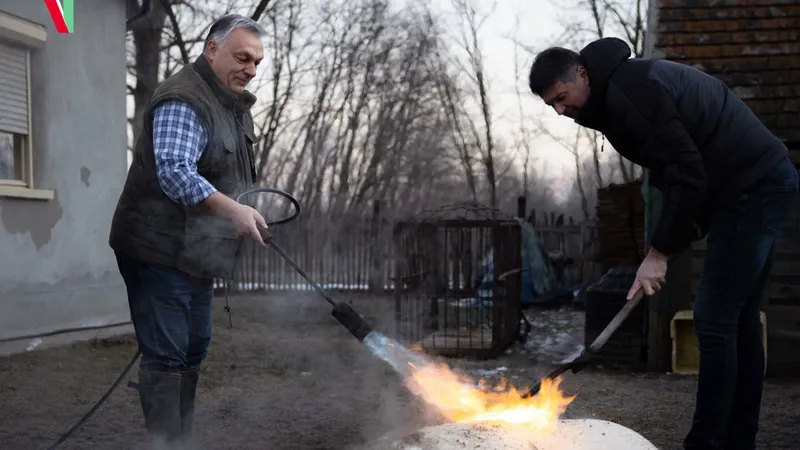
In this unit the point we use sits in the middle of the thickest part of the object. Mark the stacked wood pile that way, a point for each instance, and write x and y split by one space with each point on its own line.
620 225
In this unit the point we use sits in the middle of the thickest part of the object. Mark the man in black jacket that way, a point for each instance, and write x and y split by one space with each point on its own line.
723 175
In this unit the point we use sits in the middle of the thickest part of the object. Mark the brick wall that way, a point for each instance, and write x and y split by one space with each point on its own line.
752 45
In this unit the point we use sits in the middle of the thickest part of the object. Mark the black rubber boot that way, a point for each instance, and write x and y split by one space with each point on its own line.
188 391
160 396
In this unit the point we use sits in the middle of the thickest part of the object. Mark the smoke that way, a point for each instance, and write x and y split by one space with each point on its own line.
397 411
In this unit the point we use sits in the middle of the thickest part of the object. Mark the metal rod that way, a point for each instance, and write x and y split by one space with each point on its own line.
302 272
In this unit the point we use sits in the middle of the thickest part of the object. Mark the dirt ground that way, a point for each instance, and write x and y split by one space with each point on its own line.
288 376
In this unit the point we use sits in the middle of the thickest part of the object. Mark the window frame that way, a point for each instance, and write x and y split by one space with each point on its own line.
30 36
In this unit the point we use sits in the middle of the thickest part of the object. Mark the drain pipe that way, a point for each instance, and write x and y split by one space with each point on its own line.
141 16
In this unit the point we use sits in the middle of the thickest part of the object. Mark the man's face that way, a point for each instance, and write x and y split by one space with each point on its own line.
568 97
235 61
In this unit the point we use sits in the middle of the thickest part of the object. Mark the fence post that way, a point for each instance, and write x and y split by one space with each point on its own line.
375 274
521 207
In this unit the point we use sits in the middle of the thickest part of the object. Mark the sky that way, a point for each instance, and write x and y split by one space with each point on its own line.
536 24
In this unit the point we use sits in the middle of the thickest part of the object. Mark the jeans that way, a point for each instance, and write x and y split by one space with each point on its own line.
741 239
171 314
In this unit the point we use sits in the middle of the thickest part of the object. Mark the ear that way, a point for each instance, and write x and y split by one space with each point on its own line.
211 49
581 71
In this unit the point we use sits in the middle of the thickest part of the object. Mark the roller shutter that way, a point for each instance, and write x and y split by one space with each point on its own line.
13 89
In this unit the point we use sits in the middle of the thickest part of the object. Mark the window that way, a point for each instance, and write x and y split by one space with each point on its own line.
12 158
18 38
14 130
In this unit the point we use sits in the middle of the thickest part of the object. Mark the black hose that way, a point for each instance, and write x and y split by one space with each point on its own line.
283 194
98 404
128 368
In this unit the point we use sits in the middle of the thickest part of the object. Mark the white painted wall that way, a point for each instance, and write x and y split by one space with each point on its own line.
56 269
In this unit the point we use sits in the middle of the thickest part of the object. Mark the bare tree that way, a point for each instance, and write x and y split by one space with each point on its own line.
146 53
476 72
524 137
364 128
625 19
286 59
359 102
458 123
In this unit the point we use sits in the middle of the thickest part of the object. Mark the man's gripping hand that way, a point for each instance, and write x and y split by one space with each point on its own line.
651 275
245 219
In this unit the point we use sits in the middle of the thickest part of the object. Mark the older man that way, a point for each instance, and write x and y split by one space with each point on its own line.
722 173
176 226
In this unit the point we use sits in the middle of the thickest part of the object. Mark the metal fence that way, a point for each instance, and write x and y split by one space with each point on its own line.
351 255
357 254
454 274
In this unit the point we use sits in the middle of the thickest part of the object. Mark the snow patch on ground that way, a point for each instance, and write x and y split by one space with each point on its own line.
556 335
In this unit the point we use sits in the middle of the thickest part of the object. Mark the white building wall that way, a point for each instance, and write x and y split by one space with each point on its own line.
57 271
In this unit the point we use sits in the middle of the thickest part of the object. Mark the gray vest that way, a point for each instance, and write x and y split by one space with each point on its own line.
147 225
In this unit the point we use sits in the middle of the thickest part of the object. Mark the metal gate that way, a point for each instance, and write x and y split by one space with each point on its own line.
458 285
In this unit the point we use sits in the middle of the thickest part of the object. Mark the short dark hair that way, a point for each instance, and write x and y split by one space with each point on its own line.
551 66
222 28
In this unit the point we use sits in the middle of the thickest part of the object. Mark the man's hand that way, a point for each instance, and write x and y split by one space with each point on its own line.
651 274
246 220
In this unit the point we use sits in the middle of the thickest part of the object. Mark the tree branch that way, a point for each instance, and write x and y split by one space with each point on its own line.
259 11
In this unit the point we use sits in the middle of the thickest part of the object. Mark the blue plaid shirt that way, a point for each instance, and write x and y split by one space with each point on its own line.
179 139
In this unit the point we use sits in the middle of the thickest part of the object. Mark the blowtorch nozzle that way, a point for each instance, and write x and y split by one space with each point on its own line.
354 323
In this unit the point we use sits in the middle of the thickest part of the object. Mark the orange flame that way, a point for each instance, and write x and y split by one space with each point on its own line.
459 400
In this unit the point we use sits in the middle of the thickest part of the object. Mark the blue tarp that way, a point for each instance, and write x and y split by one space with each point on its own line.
538 276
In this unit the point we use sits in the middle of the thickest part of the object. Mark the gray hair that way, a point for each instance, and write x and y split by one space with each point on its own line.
222 28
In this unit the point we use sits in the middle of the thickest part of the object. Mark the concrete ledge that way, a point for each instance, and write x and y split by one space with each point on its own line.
26 192
58 339
22 31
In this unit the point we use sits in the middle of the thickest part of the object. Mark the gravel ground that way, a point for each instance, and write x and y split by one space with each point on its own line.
287 376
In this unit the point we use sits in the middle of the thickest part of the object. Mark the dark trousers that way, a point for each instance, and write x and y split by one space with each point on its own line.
171 314
741 239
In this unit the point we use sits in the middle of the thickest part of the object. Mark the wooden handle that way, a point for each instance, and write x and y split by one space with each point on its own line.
616 321
582 359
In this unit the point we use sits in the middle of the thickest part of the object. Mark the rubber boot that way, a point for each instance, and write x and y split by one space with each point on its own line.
160 396
188 392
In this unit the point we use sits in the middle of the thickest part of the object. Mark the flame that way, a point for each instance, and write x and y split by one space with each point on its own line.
459 400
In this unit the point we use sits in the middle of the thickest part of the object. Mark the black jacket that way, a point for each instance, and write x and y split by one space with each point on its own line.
702 144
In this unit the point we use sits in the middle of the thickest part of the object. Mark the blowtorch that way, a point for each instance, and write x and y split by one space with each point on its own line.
343 312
